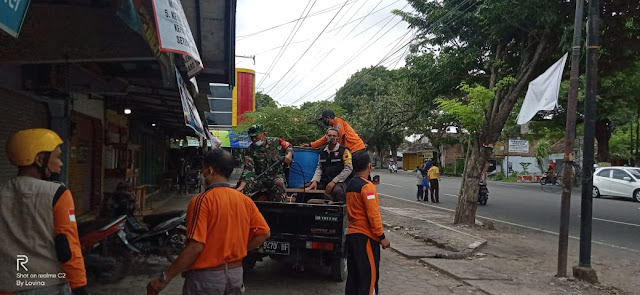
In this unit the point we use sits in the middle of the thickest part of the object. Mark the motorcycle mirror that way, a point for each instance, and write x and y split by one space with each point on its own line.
376 179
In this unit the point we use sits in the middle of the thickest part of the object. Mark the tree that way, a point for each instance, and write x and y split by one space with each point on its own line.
288 123
617 65
543 150
377 107
485 42
264 100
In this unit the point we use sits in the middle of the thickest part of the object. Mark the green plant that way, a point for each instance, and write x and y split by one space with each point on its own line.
525 168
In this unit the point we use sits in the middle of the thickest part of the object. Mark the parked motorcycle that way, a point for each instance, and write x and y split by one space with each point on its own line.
104 247
393 168
164 234
483 193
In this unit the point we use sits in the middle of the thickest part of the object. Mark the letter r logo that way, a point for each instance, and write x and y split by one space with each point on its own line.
21 260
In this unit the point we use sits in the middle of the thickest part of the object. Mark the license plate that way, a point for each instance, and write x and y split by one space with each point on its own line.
275 247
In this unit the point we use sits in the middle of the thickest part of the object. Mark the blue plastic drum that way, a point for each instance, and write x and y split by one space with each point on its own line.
305 161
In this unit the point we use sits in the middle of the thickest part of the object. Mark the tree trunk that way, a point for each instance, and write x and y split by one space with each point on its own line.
467 156
603 134
468 202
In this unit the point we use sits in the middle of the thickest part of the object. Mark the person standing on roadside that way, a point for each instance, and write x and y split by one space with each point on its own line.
365 233
420 193
38 221
434 183
222 225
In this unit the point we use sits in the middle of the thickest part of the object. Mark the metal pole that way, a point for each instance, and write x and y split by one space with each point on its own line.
572 106
584 270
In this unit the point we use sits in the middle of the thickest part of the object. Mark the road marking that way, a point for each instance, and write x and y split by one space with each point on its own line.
450 195
391 184
618 222
514 224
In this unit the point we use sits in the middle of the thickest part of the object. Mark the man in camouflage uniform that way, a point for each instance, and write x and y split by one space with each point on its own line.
260 155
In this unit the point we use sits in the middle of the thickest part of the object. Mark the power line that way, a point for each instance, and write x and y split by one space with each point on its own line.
370 13
390 54
363 48
345 13
331 8
287 41
412 39
374 8
348 21
314 41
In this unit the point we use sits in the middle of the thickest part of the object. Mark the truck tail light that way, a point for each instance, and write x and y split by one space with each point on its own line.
320 246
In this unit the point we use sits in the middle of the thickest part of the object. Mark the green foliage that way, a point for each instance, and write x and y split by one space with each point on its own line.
264 101
288 123
377 106
620 143
469 110
543 150
498 176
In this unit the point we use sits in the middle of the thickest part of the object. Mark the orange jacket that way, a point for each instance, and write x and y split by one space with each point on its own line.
362 209
346 136
64 220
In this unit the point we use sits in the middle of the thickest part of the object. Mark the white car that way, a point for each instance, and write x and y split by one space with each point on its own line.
617 181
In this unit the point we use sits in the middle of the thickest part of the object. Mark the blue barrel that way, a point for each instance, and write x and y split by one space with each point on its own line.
305 161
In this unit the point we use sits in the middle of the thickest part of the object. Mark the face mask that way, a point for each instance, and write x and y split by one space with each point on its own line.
203 177
54 176
258 143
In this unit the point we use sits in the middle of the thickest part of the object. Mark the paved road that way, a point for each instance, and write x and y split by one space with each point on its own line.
616 221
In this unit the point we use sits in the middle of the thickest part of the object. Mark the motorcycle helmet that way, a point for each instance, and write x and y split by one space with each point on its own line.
23 146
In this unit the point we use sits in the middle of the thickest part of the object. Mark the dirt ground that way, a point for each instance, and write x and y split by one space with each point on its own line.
530 257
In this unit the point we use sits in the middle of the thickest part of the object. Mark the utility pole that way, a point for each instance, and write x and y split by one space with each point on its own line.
583 270
572 106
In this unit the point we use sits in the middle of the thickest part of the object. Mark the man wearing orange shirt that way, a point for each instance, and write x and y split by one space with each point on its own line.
346 135
38 222
365 234
222 225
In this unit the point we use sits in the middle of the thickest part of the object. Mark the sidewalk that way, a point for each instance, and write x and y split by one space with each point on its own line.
471 260
508 265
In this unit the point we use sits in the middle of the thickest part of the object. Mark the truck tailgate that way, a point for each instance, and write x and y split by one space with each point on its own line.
305 222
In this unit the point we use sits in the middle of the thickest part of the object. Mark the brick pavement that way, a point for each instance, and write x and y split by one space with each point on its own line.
398 276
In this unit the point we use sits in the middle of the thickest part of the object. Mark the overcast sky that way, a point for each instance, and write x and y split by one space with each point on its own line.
340 51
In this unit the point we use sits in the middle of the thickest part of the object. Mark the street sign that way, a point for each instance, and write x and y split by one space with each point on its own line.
175 34
12 13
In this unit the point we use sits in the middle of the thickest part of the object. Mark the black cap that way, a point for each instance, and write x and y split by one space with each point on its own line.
327 114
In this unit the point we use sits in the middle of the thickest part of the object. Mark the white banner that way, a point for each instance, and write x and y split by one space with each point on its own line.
518 146
175 35
542 94
191 116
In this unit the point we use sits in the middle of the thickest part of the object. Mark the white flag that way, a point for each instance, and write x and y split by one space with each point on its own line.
542 94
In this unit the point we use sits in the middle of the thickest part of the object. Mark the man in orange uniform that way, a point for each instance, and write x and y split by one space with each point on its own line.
364 232
222 225
346 135
38 222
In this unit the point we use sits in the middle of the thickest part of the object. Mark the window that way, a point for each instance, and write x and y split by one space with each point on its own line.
635 173
619 174
605 173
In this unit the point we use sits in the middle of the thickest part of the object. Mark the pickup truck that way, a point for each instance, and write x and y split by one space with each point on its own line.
303 233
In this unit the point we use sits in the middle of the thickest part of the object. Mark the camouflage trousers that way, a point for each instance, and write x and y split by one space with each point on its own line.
274 186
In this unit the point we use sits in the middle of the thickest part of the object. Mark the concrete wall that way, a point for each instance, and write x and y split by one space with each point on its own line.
515 164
